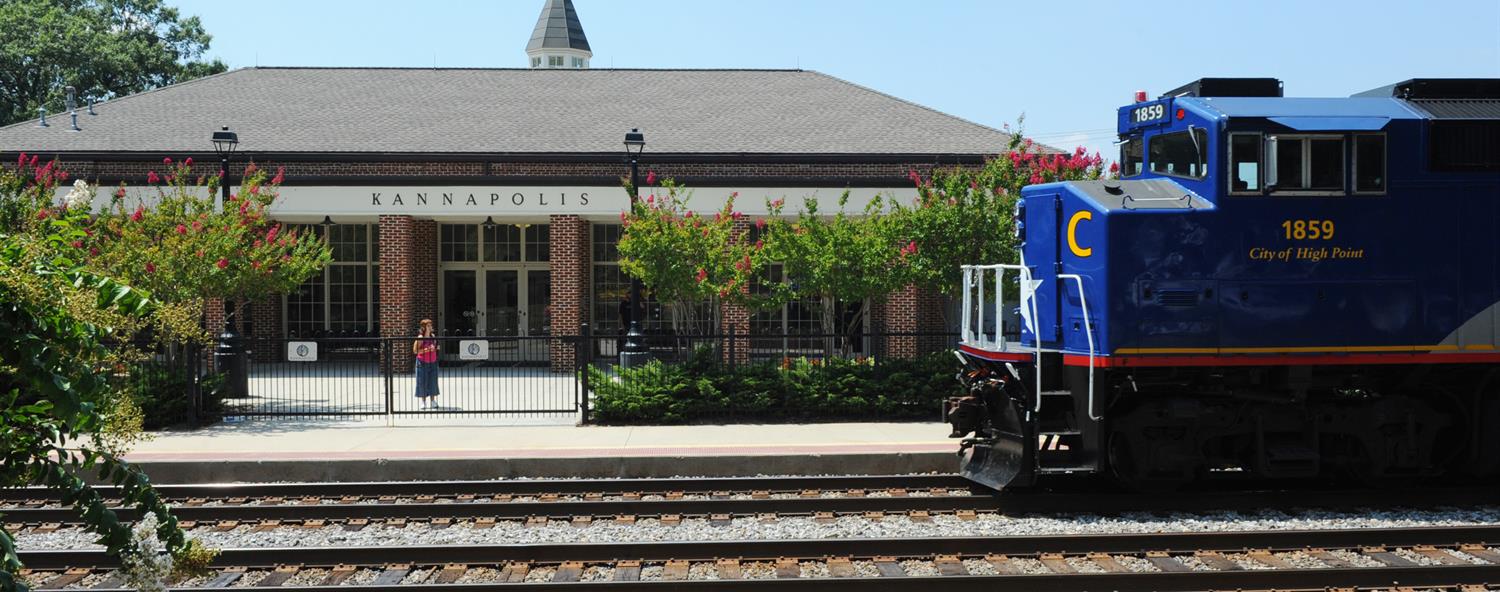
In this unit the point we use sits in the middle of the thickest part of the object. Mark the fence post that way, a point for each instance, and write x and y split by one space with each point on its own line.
733 361
190 367
388 369
584 359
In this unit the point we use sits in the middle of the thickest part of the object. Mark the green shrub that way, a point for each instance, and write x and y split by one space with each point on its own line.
796 389
161 391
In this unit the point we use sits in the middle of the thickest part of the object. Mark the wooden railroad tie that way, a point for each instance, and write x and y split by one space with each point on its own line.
1165 562
766 518
226 525
788 568
675 569
1217 561
823 517
582 521
535 521
1107 563
1481 552
1268 558
338 574
760 494
855 493
675 495
356 524
889 567
65 578
1329 559
451 573
625 519
1057 563
350 499
840 567
671 519
484 523
1003 565
593 497
949 565
548 497
569 571
811 493
515 572
919 516
729 569
279 576
1389 558
229 576
627 571
719 519
1438 555
440 523
966 514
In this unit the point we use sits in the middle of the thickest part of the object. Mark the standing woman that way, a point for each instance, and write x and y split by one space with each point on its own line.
426 350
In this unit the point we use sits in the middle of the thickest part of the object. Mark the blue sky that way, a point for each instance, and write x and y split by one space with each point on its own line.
1065 65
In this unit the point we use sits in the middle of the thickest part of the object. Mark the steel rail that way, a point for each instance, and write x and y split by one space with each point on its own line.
1005 503
748 550
1320 580
522 487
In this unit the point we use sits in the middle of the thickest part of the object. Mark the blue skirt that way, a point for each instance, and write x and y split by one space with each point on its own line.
427 385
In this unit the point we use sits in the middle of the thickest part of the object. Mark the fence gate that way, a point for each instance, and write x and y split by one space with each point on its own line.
527 379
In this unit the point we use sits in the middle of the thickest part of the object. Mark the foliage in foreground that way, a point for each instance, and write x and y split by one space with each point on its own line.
703 390
56 398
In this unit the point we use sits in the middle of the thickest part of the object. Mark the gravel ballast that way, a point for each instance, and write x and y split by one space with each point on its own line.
749 528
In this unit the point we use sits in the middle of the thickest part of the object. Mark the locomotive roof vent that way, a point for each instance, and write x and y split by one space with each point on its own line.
1227 87
1439 88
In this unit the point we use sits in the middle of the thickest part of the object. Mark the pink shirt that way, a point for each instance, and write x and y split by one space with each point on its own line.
428 351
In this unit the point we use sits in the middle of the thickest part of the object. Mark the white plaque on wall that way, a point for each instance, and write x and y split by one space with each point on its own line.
302 351
473 349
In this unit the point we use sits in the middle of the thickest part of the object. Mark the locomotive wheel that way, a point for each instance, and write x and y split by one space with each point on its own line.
1127 470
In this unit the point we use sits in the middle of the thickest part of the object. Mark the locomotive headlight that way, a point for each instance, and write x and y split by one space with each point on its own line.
1020 221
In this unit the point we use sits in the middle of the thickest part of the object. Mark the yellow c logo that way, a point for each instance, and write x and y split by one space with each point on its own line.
1073 233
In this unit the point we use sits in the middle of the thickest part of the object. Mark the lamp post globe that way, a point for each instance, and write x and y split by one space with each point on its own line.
635 353
229 354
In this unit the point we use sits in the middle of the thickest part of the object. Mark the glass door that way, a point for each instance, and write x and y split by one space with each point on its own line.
460 303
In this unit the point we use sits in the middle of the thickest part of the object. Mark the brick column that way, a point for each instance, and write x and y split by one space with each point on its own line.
265 322
424 274
570 258
398 259
913 310
735 318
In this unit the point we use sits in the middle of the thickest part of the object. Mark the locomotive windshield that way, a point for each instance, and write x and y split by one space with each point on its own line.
1132 157
1180 154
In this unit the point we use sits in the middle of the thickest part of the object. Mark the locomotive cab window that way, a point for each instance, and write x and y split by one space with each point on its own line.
1180 154
1132 157
1306 165
1369 163
1244 164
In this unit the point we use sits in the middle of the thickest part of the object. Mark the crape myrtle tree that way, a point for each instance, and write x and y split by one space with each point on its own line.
689 260
843 258
966 215
176 242
61 413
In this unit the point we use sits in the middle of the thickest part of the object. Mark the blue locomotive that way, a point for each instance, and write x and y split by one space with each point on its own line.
1279 287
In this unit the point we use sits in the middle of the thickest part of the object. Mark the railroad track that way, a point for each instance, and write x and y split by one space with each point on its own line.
1432 557
357 505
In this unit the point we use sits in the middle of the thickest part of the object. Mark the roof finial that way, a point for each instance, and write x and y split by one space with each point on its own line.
558 40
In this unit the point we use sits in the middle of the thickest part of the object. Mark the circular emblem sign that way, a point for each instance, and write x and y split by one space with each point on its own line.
473 349
302 351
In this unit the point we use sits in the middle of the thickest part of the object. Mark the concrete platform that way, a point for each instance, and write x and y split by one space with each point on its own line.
365 451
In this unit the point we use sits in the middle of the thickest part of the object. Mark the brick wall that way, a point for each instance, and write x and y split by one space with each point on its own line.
398 263
265 323
570 255
424 270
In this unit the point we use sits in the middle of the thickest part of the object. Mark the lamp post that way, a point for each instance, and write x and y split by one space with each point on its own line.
229 355
635 352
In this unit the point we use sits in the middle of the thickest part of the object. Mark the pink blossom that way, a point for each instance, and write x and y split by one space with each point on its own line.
689 215
197 225
286 257
760 244
152 178
188 161
167 161
760 223
780 201
271 234
1114 167
93 252
200 253
702 275
916 179
21 162
62 176
257 243
150 267
651 199
650 177
736 215
221 263
1036 178
622 216
120 193
33 160
280 176
137 214
255 264
41 214
705 232
78 244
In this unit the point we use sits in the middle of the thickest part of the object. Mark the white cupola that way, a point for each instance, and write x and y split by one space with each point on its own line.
558 40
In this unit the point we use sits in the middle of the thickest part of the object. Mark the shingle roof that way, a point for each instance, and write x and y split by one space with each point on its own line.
558 28
412 111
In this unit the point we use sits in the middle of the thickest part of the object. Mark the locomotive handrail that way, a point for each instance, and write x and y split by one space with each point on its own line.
973 332
1088 331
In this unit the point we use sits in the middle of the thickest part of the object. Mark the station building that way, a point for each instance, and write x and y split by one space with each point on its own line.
489 199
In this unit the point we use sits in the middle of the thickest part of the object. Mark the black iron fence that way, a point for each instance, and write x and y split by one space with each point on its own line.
525 379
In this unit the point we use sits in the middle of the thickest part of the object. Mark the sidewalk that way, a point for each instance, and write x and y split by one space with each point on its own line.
309 450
